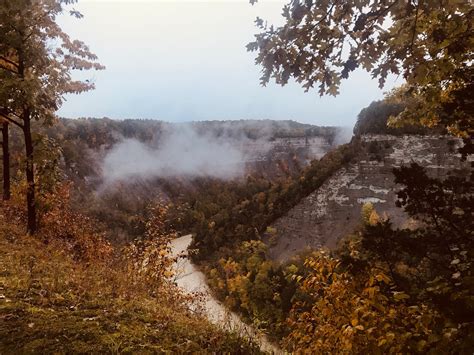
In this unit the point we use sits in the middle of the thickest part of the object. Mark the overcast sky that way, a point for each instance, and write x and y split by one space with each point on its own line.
186 60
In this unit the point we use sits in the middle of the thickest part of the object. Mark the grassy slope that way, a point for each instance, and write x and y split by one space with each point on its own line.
51 303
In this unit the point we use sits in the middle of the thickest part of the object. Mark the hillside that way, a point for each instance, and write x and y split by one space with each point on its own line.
68 291
333 211
260 244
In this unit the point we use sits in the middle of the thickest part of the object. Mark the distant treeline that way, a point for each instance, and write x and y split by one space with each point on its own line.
374 119
90 129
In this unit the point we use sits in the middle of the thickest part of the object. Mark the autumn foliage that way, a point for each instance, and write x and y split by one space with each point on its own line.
343 312
69 290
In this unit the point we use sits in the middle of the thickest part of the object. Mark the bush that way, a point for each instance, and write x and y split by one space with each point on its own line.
68 291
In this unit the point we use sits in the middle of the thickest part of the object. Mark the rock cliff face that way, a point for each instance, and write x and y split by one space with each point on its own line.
266 156
278 148
333 211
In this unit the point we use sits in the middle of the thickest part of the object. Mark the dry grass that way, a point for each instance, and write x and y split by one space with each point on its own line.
50 301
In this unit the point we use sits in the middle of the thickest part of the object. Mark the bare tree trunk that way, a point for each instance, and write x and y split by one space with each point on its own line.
6 162
30 174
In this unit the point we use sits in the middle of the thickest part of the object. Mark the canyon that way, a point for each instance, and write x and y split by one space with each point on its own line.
333 211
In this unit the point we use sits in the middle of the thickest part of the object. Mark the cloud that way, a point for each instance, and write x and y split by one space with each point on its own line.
343 135
182 152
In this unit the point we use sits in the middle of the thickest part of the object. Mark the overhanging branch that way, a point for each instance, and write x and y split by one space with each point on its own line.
9 65
5 117
11 62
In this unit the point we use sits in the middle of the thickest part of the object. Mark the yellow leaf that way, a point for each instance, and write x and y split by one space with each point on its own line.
400 296
390 336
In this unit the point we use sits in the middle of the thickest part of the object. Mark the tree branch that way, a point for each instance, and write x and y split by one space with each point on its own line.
414 25
10 120
16 65
380 13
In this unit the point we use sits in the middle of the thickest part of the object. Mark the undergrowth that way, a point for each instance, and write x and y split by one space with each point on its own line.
54 301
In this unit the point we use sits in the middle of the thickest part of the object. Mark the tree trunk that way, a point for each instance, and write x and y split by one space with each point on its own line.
30 174
6 162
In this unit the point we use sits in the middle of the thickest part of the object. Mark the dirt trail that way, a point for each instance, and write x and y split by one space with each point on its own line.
191 280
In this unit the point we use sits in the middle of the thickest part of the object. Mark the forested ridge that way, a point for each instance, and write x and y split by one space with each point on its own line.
85 260
76 148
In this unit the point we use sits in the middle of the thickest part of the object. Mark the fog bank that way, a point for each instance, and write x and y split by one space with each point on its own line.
181 152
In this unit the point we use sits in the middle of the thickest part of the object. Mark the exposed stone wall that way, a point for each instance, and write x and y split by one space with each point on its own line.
278 148
333 211
263 156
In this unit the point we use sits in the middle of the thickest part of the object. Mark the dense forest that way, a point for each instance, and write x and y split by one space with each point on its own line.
76 150
86 263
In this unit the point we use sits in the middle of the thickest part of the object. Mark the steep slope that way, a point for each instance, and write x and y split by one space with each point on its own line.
52 301
331 212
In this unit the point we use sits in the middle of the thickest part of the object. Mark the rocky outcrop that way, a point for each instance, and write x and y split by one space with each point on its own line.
325 216
267 157
278 148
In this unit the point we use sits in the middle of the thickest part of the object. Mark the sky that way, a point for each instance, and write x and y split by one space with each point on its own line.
179 61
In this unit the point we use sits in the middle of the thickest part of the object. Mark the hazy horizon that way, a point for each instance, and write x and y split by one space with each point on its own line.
181 61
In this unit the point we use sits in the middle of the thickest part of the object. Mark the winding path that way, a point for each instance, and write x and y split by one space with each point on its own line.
191 280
